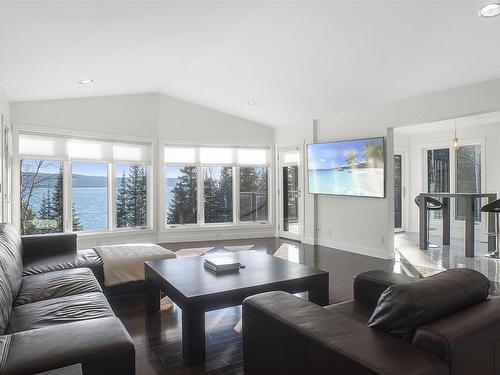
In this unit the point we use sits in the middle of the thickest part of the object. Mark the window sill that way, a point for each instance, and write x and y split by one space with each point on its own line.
115 232
215 227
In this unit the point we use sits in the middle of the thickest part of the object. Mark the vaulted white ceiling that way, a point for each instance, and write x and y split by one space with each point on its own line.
298 60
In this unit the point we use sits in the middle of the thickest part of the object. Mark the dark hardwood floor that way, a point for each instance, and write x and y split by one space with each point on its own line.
157 338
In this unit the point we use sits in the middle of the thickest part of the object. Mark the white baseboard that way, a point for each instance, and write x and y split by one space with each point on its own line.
377 253
309 240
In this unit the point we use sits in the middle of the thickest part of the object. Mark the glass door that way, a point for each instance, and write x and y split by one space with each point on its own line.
289 193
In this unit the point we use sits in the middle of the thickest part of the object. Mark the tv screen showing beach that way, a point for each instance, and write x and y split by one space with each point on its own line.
347 168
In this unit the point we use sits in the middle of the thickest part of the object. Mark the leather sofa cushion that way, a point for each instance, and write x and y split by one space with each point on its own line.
402 308
11 256
102 346
58 311
56 284
63 261
355 310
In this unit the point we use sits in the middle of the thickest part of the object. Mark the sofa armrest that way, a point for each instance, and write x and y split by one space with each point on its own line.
283 334
465 338
102 346
42 244
368 286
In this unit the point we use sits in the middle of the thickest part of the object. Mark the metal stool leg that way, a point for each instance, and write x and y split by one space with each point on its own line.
430 245
496 253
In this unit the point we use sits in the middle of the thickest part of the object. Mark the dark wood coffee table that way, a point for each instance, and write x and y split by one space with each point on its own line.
196 290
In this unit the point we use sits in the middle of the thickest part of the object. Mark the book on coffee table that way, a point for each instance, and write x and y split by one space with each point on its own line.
221 264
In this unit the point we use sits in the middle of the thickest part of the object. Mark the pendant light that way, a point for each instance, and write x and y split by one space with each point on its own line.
455 139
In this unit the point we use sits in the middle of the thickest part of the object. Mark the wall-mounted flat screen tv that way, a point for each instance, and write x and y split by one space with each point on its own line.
355 167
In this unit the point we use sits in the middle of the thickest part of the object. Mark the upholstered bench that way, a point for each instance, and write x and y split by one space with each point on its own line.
54 252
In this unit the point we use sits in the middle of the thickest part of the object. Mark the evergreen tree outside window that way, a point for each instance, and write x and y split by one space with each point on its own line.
131 196
468 178
42 197
218 191
182 193
52 200
212 184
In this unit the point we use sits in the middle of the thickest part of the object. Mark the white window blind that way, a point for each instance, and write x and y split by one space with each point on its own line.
38 146
180 155
61 148
132 152
253 156
84 150
291 157
216 156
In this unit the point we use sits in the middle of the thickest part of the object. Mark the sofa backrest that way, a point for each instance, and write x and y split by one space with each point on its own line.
11 257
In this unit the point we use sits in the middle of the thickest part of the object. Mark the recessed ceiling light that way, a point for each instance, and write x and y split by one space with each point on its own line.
252 102
490 10
86 81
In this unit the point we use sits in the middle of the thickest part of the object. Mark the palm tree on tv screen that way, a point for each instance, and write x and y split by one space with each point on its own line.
373 153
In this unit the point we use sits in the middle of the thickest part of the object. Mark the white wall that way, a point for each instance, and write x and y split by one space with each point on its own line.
489 134
364 225
152 116
4 104
133 115
184 121
5 111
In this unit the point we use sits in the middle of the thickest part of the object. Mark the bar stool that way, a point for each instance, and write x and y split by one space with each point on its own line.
432 205
494 208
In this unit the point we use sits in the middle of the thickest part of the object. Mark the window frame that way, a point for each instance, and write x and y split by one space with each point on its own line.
200 225
453 173
67 179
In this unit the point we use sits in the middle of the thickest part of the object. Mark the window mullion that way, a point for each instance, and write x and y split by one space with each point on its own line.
201 196
111 196
67 198
236 195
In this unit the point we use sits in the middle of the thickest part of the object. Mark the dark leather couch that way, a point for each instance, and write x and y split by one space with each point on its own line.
284 334
52 309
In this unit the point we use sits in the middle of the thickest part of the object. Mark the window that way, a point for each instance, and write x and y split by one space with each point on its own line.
438 174
253 194
468 177
218 194
131 196
211 185
82 197
89 194
438 170
182 193
465 171
41 208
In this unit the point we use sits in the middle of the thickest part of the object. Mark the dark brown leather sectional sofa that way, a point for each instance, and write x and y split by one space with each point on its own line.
395 325
52 309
